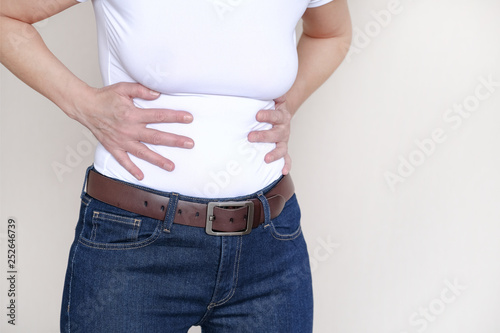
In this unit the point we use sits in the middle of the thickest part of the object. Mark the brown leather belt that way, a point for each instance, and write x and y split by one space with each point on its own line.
218 218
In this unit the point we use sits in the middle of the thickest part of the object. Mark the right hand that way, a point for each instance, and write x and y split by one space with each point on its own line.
120 126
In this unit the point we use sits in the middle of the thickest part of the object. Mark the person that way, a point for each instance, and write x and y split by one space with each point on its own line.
188 215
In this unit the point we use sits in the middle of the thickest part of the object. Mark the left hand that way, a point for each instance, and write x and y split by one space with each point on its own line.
280 118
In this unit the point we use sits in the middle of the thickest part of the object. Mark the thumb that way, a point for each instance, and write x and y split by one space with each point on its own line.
136 90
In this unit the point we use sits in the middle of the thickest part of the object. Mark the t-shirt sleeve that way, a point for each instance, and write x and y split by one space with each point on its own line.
316 3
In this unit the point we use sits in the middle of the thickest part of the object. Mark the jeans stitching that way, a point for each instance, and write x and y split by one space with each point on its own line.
205 316
171 210
285 237
137 227
86 200
135 223
117 218
219 275
133 246
72 266
235 275
93 232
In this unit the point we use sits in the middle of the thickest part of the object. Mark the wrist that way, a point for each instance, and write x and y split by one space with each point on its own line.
292 106
295 97
78 101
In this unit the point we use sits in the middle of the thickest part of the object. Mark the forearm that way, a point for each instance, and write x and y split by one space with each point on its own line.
24 53
318 59
325 41
109 112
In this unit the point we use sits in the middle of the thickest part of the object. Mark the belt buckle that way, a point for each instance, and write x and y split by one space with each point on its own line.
211 217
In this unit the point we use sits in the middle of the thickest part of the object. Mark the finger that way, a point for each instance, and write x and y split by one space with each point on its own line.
271 116
269 136
279 152
141 151
156 137
124 160
136 90
150 116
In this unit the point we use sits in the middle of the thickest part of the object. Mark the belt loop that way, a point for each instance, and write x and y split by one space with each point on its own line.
171 211
265 206
85 180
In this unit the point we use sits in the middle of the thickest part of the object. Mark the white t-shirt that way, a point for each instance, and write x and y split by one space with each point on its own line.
222 61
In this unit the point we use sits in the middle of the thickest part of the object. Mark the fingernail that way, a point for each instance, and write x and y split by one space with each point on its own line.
188 144
154 93
188 118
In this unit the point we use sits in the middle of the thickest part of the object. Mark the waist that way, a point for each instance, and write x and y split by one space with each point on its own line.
223 163
234 217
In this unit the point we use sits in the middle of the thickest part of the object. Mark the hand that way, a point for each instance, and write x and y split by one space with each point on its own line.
120 126
280 118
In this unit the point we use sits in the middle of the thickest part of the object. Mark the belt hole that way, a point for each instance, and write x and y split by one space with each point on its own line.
231 220
197 214
145 203
162 208
179 211
245 217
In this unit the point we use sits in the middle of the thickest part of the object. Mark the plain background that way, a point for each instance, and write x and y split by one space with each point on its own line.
383 259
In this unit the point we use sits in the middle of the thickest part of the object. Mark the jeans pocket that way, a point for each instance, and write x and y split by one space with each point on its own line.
286 226
112 228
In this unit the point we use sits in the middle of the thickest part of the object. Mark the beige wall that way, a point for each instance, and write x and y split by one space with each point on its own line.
384 259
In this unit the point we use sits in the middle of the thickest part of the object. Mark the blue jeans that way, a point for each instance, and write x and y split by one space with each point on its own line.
129 273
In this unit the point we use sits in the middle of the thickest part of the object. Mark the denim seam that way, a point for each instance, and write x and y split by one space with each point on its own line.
93 232
106 246
137 228
116 218
171 211
108 217
210 305
219 274
235 276
205 316
285 237
86 199
265 207
73 263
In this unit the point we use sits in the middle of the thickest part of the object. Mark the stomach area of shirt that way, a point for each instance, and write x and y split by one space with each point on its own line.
222 164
